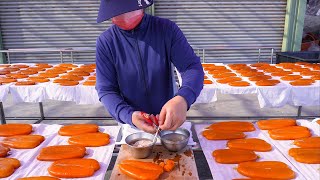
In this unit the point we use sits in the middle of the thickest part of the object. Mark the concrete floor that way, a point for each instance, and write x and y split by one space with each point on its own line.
227 105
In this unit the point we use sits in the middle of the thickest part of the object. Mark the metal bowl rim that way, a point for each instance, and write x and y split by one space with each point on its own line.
177 142
152 144
181 129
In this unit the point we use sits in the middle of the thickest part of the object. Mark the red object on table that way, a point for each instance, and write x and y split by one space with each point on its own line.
306 45
148 119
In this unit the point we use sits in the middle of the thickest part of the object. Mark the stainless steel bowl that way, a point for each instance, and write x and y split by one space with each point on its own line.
174 140
140 152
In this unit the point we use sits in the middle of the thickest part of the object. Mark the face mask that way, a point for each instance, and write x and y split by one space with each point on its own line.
128 21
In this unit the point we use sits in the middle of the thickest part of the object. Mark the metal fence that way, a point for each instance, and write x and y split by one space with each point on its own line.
63 55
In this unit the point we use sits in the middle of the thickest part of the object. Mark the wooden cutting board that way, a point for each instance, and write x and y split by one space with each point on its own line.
185 169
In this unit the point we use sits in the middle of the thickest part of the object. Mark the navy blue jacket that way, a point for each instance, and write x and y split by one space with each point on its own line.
134 71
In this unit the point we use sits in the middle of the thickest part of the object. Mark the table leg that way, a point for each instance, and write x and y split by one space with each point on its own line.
2 117
41 113
299 111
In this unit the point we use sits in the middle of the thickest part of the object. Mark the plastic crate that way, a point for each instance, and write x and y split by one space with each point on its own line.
306 56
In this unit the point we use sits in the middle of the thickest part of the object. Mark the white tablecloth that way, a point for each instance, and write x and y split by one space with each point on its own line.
273 96
86 95
26 156
50 91
4 91
33 167
309 171
228 171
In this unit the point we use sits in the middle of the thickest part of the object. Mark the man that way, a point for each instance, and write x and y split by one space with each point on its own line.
134 72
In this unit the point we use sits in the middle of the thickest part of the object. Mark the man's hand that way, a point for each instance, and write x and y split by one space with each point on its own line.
140 123
173 113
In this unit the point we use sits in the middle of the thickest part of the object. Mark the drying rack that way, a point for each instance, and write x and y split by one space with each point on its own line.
201 52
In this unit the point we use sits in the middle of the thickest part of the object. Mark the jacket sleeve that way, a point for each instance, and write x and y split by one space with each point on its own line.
107 86
188 65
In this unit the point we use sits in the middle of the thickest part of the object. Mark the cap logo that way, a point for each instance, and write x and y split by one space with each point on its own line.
145 1
139 3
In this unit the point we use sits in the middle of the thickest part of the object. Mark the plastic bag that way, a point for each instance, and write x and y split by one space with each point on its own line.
314 47
313 8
